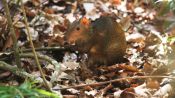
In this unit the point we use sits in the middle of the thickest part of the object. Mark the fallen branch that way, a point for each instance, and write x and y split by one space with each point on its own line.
68 48
115 80
45 49
15 70
33 49
13 34
43 57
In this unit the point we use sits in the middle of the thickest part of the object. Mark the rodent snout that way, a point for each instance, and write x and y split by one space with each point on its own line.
65 43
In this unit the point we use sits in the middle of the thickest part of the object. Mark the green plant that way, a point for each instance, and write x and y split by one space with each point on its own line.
26 90
165 6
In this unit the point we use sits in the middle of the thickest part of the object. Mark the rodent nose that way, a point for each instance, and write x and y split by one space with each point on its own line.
65 43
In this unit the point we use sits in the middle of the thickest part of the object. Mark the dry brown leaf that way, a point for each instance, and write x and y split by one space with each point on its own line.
49 10
153 84
129 68
56 41
147 67
9 42
125 23
128 93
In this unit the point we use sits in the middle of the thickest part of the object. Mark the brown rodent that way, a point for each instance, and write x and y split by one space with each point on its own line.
103 39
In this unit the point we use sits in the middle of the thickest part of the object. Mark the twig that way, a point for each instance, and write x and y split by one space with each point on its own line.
115 80
33 49
1 10
43 57
45 49
15 46
41 49
15 70
59 49
103 91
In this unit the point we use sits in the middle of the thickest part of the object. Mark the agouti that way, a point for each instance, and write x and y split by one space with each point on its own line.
103 40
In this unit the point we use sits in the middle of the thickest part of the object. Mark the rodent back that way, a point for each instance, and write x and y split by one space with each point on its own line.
105 32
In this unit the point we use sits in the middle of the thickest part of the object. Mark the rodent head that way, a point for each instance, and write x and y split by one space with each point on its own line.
78 32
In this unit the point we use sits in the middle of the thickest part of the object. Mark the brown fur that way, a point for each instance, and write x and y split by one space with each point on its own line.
103 40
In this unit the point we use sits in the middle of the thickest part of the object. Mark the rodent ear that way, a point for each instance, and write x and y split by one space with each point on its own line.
85 21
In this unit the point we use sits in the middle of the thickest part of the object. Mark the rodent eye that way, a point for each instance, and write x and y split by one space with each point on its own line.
78 28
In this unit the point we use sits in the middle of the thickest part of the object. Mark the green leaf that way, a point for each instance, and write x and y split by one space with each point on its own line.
49 94
25 90
171 39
